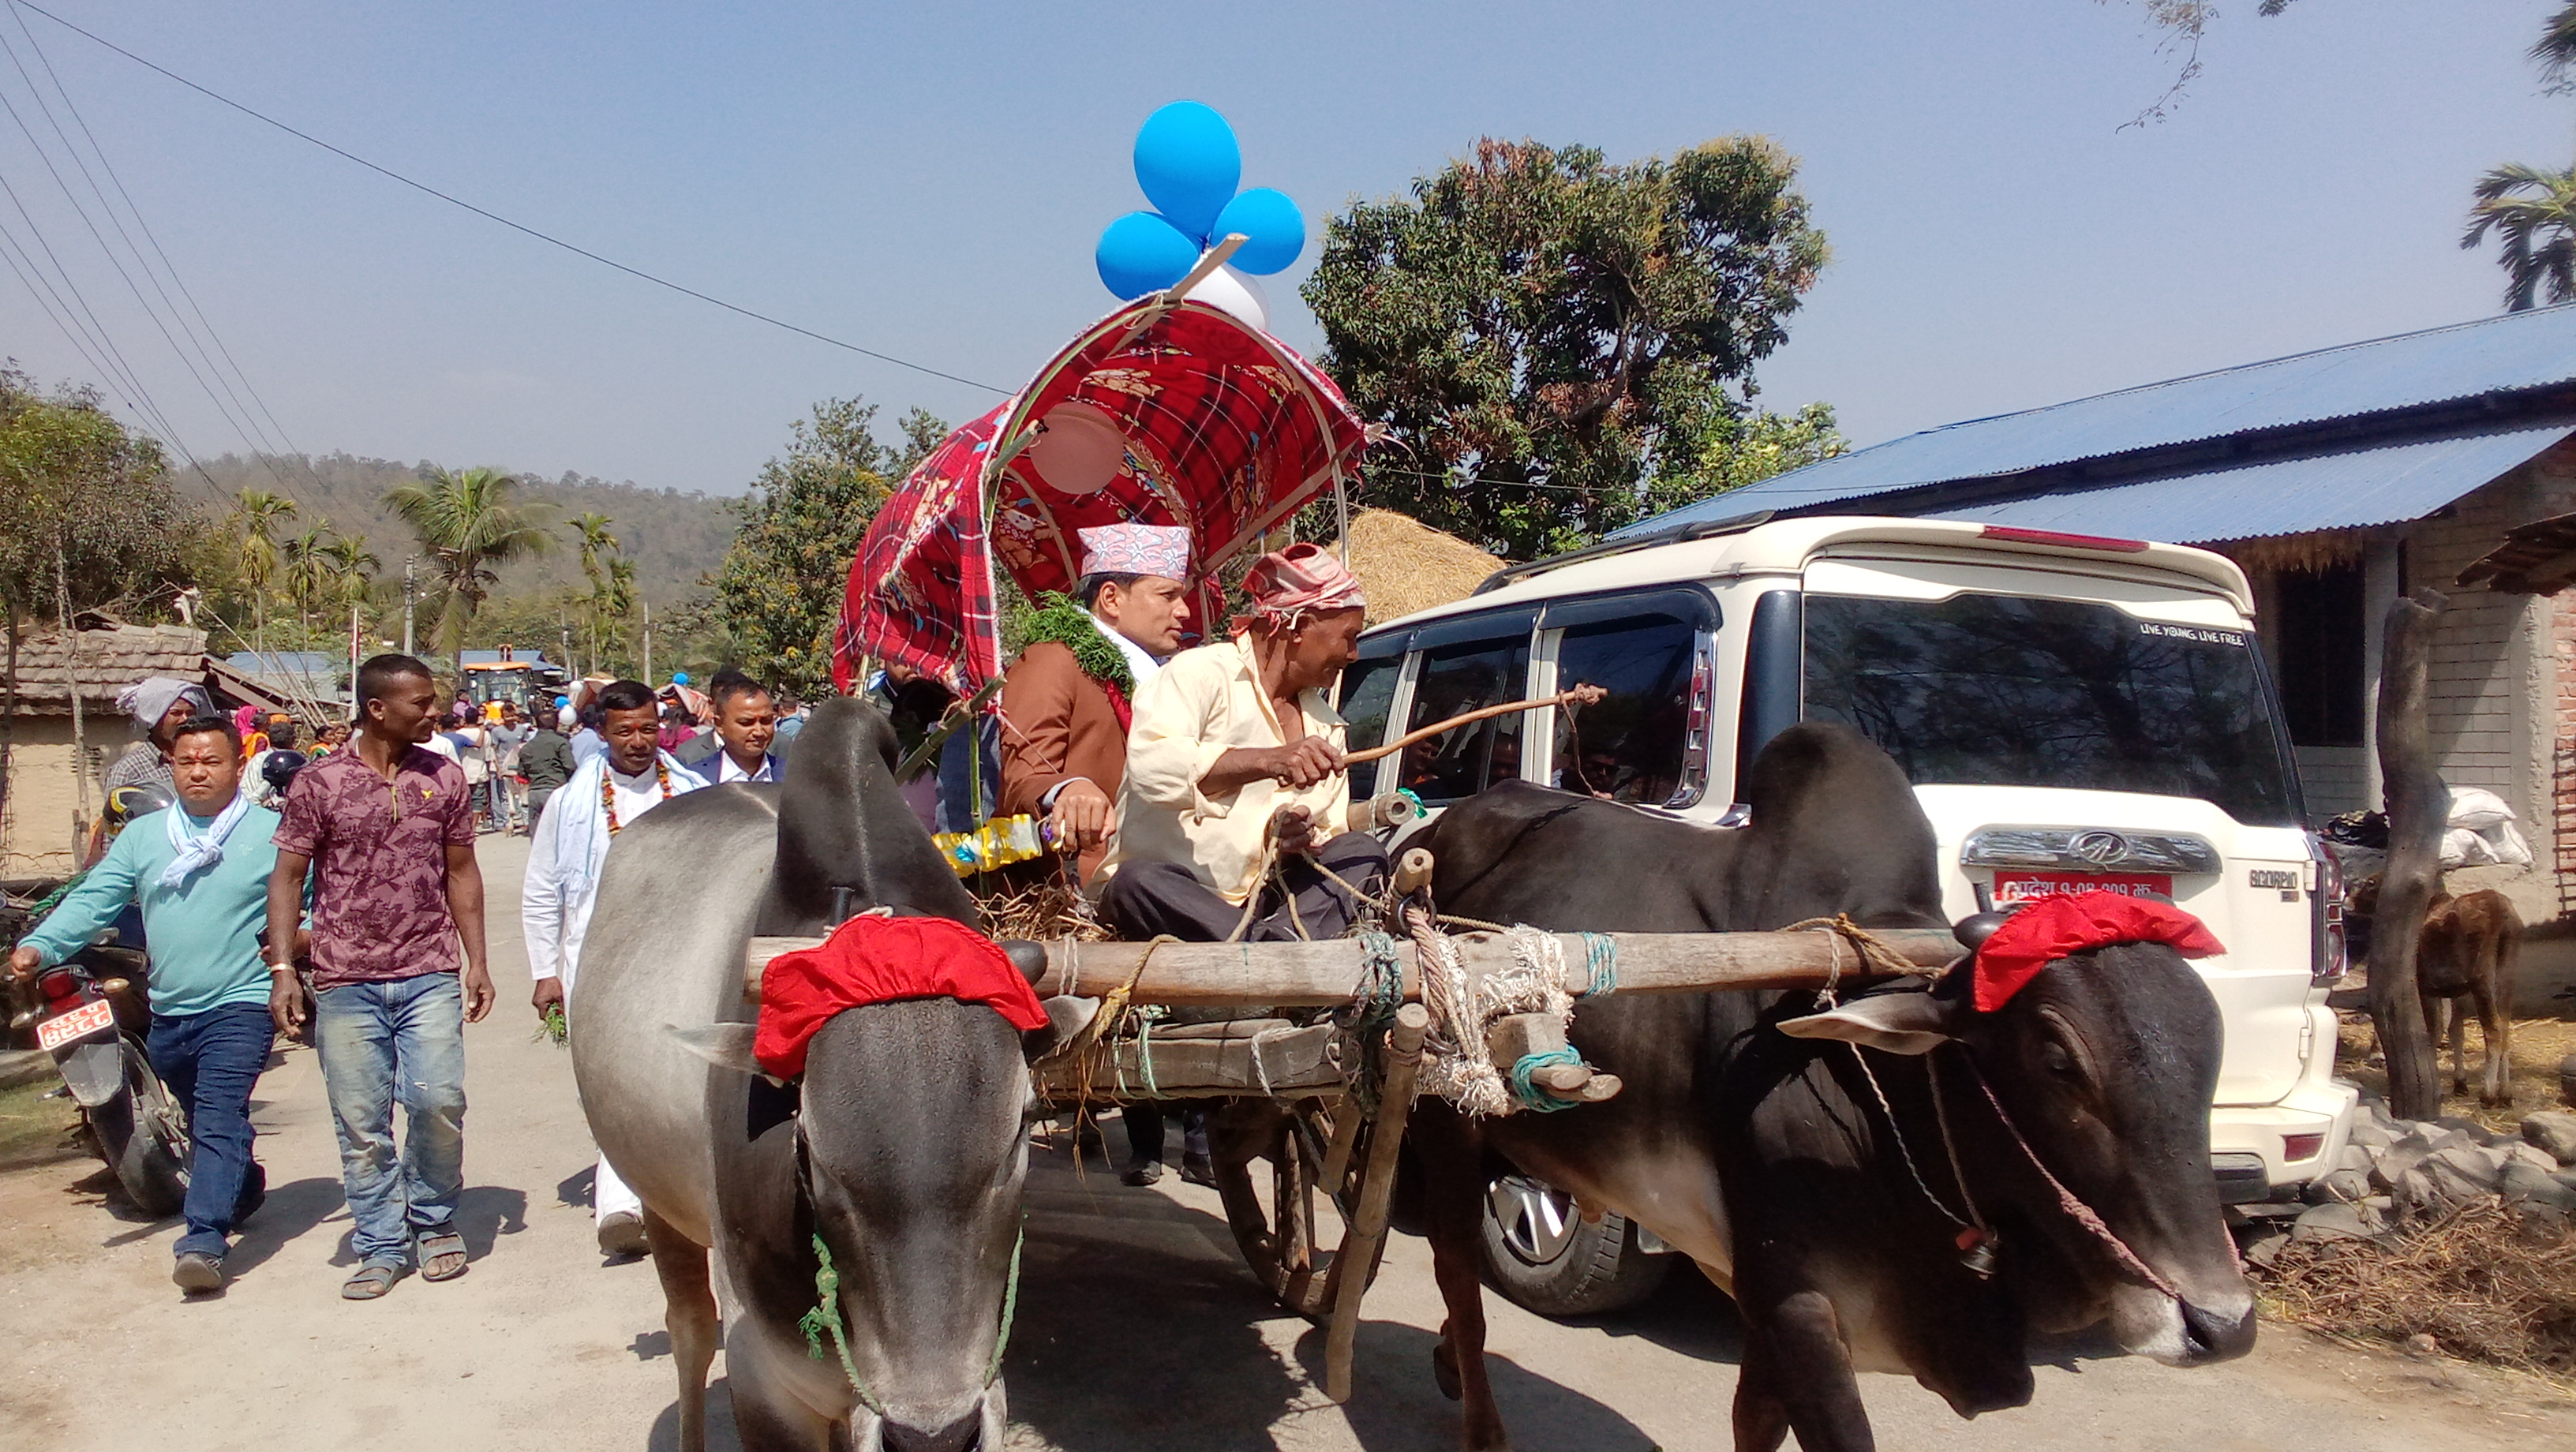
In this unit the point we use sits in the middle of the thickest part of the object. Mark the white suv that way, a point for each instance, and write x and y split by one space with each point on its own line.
2074 713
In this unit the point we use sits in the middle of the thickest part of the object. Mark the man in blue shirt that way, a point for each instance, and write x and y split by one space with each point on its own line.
200 873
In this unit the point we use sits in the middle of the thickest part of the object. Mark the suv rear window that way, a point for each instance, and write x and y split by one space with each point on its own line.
2003 690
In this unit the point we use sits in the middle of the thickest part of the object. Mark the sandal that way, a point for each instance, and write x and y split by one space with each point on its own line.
435 1252
370 1282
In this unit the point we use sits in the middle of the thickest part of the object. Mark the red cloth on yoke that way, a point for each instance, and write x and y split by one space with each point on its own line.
2054 927
878 960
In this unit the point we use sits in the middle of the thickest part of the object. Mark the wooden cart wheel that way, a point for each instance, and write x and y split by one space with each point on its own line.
1279 1241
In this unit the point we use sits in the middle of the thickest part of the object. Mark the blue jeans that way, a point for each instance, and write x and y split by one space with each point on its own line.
210 1061
382 1042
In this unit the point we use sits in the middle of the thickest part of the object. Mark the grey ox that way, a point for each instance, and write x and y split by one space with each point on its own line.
902 1150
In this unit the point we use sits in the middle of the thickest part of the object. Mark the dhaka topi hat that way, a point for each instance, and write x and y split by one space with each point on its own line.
1136 549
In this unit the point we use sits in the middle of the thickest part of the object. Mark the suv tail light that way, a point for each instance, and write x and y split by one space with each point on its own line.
2327 960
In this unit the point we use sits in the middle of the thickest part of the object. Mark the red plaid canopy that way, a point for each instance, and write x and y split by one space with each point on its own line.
1227 431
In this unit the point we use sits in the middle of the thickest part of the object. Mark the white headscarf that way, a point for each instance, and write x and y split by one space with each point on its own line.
149 699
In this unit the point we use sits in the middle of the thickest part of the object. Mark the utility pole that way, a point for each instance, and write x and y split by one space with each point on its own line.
407 599
648 640
353 651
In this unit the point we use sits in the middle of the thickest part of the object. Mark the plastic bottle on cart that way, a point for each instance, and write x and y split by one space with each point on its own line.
999 842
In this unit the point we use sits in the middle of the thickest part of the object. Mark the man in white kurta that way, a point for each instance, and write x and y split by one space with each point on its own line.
1235 786
613 788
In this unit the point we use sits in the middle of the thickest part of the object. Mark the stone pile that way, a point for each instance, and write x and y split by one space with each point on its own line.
2395 1171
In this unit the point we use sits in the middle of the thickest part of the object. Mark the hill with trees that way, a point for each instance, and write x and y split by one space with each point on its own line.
674 538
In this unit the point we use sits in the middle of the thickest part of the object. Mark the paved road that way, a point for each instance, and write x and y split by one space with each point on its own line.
1137 1328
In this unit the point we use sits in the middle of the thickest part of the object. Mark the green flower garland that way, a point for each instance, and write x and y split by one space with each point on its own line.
1060 620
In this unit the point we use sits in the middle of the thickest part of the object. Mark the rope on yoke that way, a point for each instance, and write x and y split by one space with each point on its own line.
1600 965
1874 955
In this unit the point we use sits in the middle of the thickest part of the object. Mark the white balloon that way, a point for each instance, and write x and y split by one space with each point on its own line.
1080 450
1236 293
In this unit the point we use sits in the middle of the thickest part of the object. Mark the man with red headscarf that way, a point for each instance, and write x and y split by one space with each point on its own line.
1235 795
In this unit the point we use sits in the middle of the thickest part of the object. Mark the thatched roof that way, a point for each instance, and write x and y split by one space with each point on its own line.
111 658
1406 565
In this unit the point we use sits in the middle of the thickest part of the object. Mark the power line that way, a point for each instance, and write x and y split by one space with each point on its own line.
139 221
113 260
418 186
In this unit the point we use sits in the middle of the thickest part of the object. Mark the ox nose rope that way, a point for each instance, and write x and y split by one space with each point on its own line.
826 1317
2075 1209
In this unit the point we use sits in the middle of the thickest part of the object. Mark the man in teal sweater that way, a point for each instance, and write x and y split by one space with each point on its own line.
200 873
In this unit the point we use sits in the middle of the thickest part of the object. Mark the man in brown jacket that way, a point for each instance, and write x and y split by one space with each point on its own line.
1066 704
1066 701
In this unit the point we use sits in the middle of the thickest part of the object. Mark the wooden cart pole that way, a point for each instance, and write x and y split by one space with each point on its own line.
1366 1235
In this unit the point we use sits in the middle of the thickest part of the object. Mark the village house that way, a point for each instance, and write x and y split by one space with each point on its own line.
2339 480
38 828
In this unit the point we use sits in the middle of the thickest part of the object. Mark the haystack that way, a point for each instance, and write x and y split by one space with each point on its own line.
1406 565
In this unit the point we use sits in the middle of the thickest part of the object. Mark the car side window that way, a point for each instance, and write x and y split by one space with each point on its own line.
1628 746
1368 692
1453 680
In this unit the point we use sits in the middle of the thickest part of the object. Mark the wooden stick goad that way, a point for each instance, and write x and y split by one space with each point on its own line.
1328 973
1577 696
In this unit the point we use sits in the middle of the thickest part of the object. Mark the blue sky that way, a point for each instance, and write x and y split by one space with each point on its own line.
928 181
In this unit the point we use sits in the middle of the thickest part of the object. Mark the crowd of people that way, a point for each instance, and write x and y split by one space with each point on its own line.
1198 793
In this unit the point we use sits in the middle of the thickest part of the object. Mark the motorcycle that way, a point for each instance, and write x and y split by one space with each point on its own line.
92 1013
92 1020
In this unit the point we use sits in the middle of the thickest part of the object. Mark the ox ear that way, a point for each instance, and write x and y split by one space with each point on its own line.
725 1045
1067 1017
1900 1023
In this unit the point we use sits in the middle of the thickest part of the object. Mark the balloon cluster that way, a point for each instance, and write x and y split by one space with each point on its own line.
1188 164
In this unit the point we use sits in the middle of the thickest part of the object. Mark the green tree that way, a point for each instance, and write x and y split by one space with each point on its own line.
260 513
469 525
1730 449
778 592
88 520
591 538
1529 327
2533 215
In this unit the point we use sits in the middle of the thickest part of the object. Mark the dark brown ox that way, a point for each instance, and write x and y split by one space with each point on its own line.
1836 1222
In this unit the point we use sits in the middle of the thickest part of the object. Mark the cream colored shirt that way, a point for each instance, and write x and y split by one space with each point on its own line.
1202 704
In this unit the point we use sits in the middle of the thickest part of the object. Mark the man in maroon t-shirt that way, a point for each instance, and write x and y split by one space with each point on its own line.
388 831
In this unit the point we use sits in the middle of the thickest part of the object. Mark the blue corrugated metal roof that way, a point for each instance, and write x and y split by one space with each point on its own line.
2287 496
493 657
2502 355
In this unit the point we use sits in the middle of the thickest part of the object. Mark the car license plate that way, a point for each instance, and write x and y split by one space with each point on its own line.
2032 886
81 1022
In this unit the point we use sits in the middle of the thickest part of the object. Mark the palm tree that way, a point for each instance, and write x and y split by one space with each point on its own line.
2533 213
469 527
592 539
307 569
353 569
2556 50
261 512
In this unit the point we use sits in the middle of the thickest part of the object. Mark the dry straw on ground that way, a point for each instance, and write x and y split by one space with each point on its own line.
1405 565
2475 1280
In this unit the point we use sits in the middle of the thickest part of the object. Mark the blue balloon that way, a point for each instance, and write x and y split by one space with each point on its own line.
1188 164
1274 232
1141 253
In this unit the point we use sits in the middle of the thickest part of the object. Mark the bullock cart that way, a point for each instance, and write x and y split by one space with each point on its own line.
1316 1050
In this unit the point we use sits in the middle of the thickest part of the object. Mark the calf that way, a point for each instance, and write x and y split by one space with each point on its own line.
2472 949
1897 1183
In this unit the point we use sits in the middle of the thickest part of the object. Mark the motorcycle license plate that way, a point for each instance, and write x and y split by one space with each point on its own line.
93 1017
2032 886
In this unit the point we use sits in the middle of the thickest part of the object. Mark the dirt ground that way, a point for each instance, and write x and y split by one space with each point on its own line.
1137 1327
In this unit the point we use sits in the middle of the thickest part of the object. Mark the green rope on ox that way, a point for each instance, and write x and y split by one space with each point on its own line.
1530 1095
827 1315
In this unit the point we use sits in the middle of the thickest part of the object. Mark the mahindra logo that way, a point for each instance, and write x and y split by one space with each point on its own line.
2099 848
